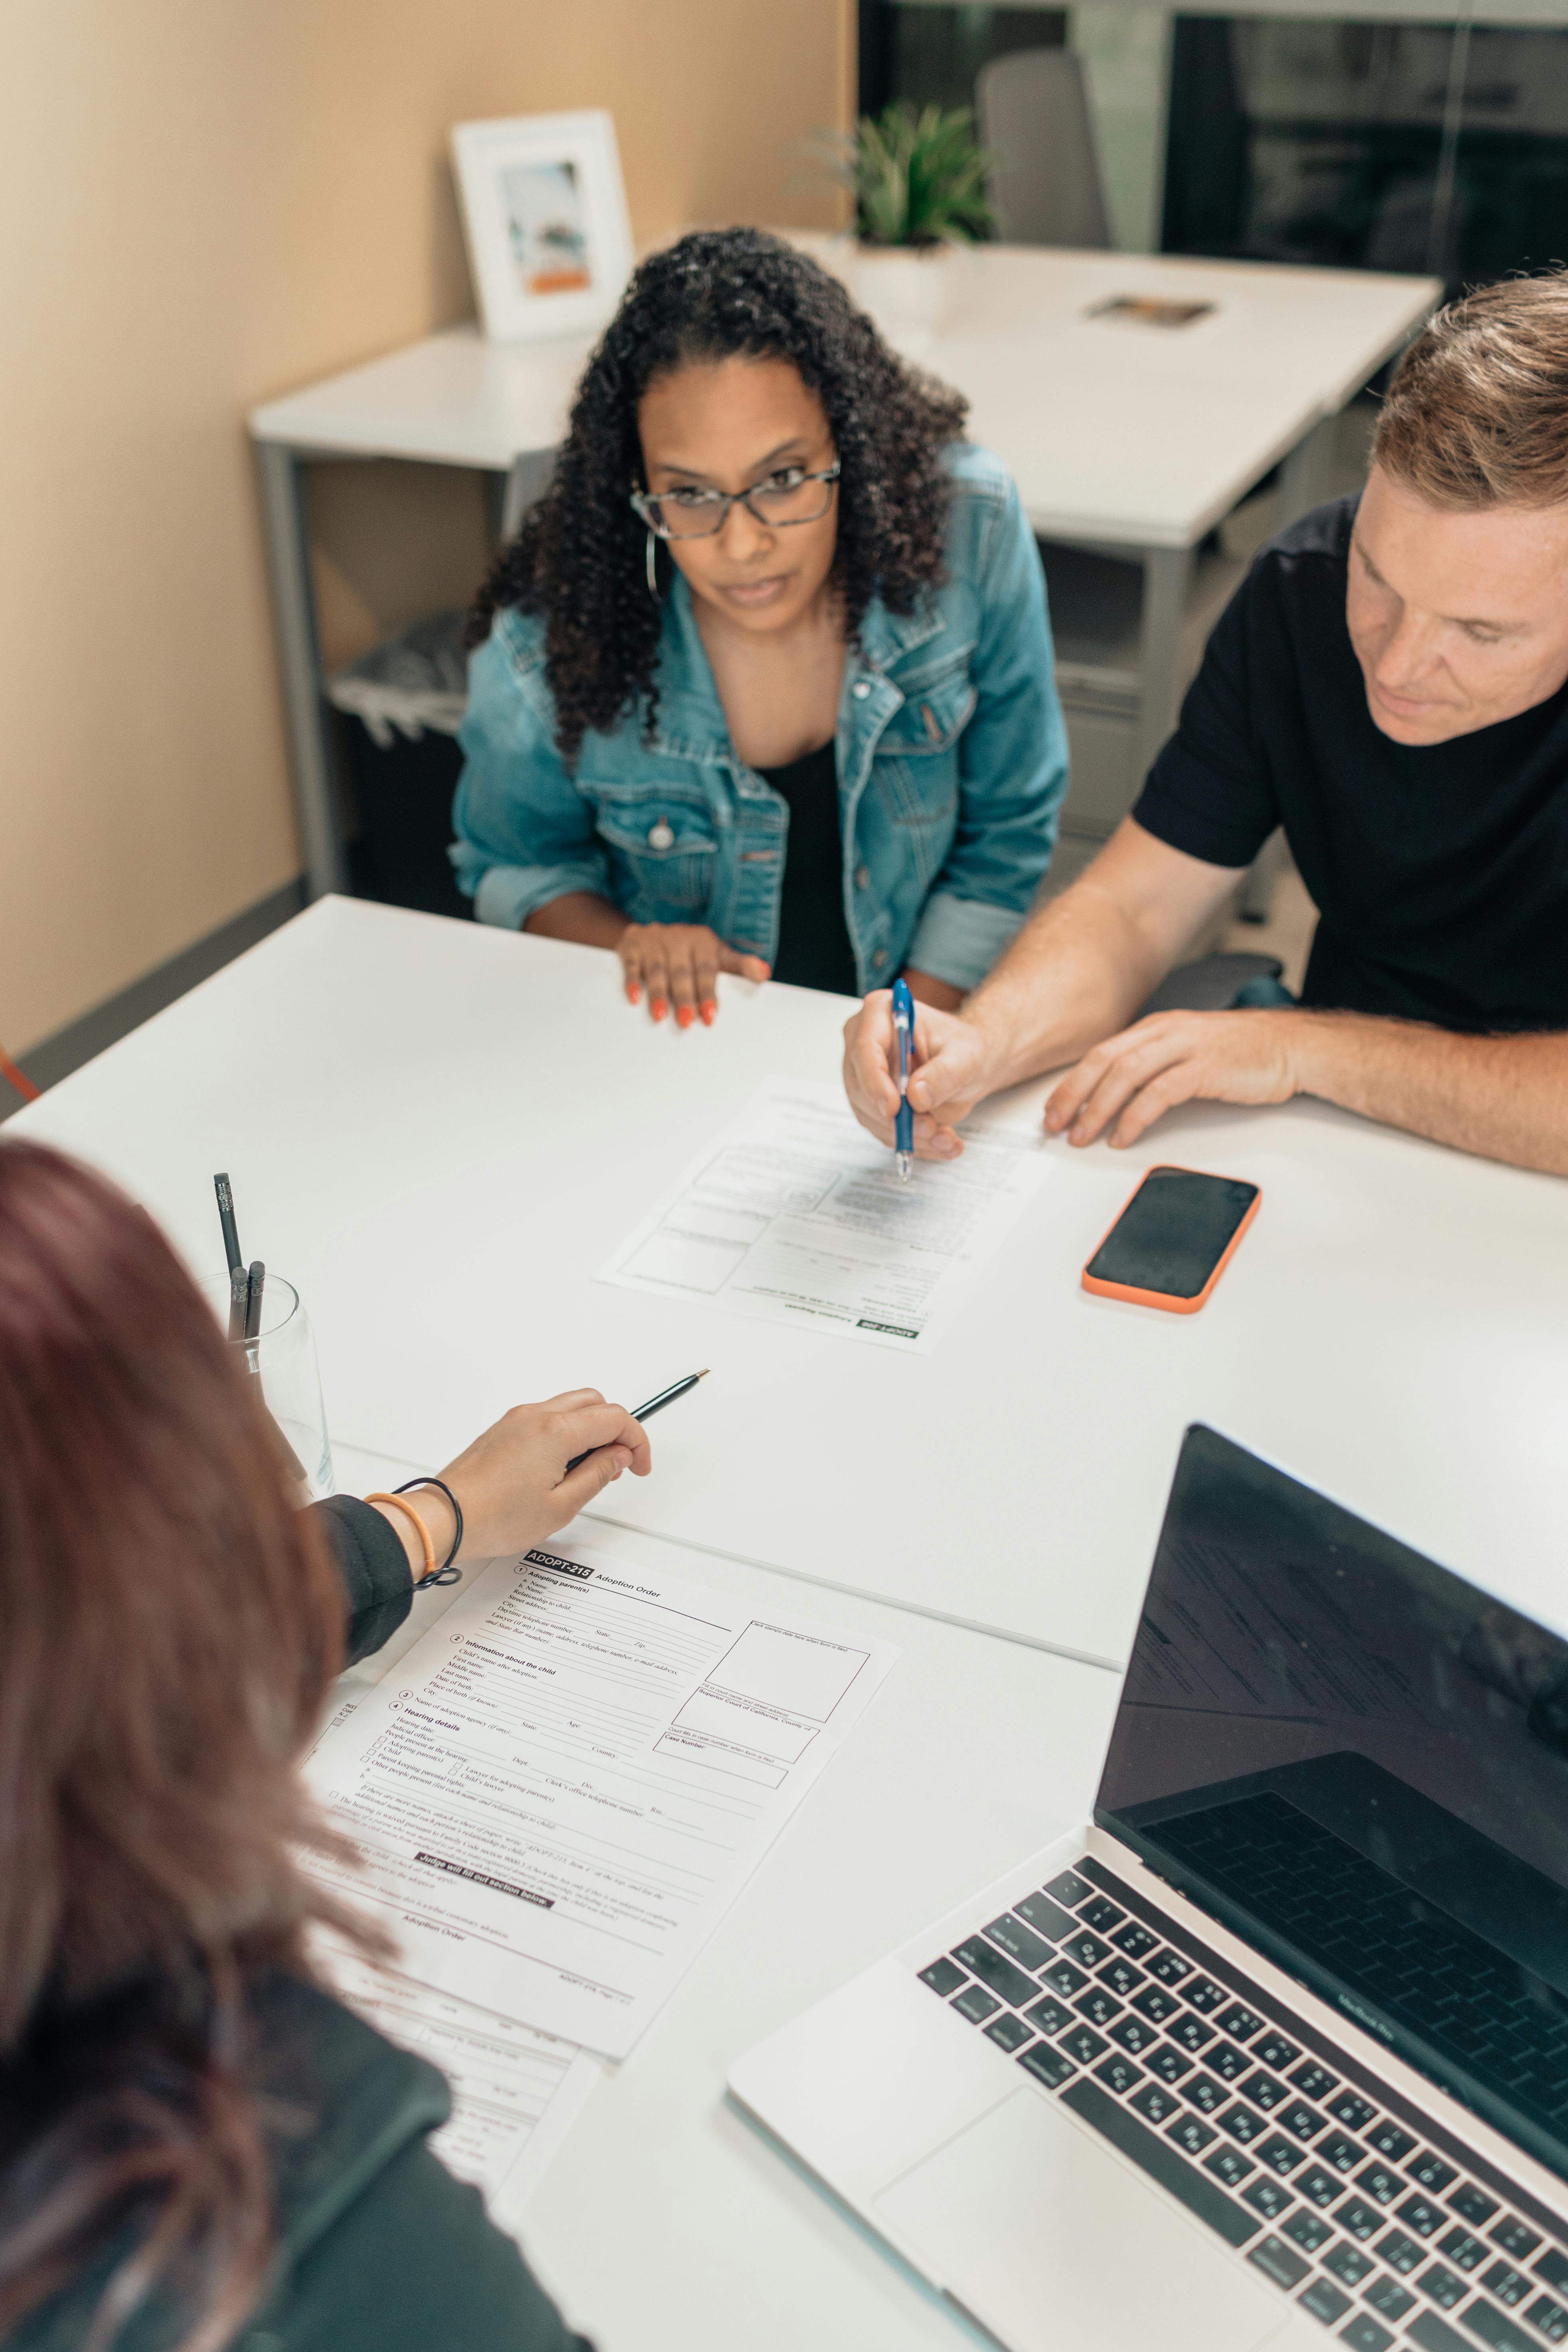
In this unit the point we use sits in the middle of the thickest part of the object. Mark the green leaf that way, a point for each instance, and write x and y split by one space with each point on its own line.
918 177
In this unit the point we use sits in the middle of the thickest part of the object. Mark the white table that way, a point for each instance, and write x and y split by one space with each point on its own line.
1136 439
667 2223
976 1751
440 1131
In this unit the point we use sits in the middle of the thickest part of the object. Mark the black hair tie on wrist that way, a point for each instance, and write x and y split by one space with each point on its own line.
446 1573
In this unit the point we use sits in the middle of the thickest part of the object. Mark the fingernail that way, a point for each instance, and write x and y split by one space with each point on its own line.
634 991
710 1012
658 1008
684 1016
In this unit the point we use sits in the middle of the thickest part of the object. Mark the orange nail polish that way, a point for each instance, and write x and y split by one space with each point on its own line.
634 991
658 1008
683 1016
710 1012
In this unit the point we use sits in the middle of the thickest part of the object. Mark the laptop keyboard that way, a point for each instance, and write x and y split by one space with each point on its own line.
1378 2236
1429 1973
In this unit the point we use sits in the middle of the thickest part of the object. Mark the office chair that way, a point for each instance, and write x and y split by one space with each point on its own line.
526 479
1033 117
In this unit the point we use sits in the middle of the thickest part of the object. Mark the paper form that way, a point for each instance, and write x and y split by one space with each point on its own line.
558 1791
795 1213
515 2091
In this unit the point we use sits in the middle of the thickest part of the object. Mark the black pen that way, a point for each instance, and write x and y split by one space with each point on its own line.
253 1313
250 1287
238 1302
654 1404
224 1191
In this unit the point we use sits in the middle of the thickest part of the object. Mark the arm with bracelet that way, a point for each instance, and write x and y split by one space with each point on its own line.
510 1489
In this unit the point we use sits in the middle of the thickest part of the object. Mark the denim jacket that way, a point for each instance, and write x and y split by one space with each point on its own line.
952 759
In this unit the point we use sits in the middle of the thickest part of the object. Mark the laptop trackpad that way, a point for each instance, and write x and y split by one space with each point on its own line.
1047 2239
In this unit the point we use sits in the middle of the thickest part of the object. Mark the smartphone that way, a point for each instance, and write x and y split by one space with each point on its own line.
1173 1240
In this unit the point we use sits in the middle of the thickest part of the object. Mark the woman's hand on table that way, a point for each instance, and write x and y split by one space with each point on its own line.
678 965
513 1482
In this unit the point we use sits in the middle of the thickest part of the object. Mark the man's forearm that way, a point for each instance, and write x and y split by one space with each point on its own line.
1501 1098
1081 967
1075 974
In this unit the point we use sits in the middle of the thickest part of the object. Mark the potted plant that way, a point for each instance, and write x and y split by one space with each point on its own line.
919 182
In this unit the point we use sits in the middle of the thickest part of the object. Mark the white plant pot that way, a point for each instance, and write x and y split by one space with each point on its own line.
906 288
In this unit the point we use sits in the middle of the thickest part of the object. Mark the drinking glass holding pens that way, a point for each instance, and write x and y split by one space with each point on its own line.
280 1355
262 1313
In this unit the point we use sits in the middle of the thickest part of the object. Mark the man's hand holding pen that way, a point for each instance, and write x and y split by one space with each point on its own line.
949 1076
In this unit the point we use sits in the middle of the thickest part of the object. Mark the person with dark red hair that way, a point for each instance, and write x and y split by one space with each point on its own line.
199 2146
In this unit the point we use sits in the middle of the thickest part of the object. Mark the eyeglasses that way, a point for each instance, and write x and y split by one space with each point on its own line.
782 500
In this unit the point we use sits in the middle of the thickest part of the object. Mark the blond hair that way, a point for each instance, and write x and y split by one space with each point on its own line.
1476 414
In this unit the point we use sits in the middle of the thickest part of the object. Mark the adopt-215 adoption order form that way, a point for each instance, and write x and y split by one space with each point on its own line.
558 1791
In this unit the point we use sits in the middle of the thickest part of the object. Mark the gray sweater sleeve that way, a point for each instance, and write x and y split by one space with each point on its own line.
378 1583
413 2265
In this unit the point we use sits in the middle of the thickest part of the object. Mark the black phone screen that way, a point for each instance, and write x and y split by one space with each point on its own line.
1172 1233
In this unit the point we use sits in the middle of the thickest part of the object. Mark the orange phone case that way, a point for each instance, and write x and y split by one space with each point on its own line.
1162 1299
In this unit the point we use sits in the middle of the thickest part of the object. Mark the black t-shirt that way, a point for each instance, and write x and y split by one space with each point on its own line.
814 950
1440 872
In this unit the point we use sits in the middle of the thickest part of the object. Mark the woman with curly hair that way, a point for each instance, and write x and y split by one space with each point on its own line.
763 685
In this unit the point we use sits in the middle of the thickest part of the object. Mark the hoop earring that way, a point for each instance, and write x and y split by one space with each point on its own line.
650 566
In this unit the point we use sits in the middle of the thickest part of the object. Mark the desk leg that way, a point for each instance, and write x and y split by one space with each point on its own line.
1304 476
1167 573
299 662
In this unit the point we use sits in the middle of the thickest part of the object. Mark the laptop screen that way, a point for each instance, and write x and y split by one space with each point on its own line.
1358 1762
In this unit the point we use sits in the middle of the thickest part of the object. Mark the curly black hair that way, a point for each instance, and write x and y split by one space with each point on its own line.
578 558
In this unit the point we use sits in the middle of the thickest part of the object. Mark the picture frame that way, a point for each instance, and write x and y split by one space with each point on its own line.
544 213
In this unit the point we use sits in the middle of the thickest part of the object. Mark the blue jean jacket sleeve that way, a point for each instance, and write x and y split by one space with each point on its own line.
1013 767
525 834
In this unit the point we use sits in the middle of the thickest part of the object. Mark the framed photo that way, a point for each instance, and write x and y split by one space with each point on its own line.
544 212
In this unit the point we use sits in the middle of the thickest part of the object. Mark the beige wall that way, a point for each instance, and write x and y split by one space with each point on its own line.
207 202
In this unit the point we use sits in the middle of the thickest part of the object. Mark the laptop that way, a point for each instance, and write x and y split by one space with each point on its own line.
1275 2051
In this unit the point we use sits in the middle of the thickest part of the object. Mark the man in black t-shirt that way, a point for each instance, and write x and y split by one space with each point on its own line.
1390 684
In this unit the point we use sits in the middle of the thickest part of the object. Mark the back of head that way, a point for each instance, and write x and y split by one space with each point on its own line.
1477 415
170 1627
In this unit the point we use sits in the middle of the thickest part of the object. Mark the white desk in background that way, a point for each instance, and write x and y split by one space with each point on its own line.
666 2222
1135 440
440 1131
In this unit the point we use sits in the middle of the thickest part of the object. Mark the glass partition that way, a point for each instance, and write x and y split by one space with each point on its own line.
930 52
1425 147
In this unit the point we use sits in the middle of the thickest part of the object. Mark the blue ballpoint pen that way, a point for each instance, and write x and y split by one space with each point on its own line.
904 1125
